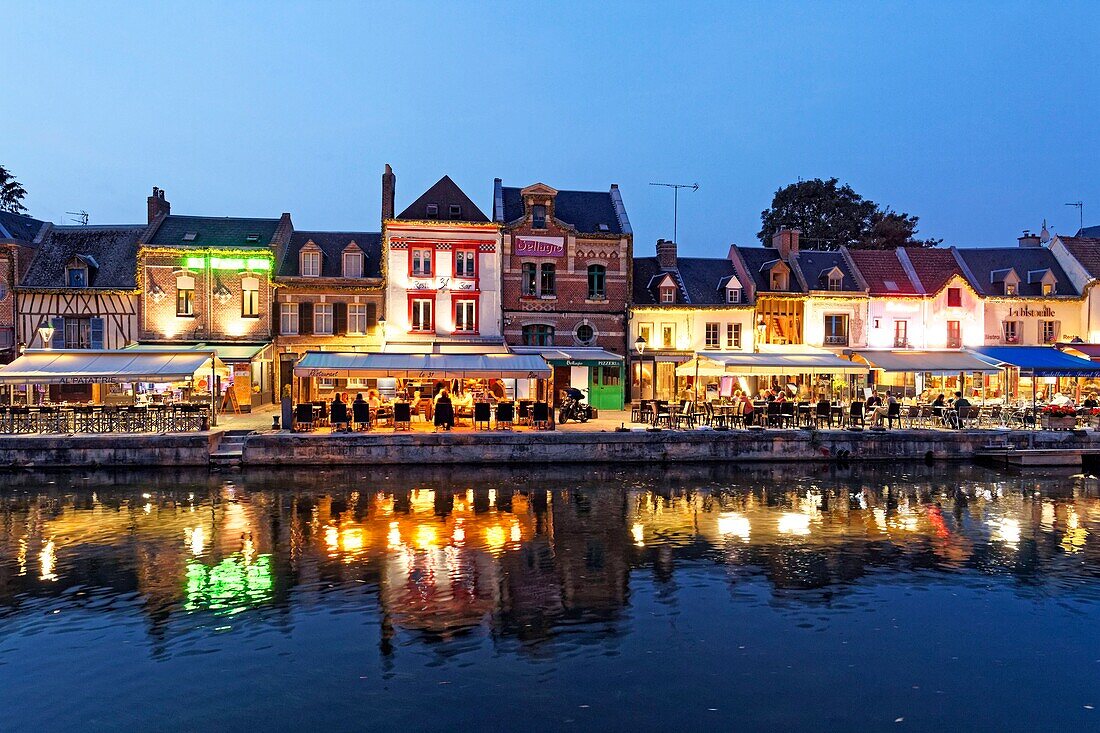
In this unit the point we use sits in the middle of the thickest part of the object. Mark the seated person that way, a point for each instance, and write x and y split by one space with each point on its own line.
338 413
1090 401
882 409
444 416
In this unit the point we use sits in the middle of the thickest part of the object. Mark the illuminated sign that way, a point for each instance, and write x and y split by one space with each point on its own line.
228 263
539 246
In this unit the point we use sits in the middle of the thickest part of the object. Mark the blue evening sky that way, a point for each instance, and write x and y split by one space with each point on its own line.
981 118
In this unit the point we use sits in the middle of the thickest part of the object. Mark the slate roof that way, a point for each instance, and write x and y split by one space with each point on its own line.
879 267
990 264
815 265
585 211
332 246
213 231
755 258
1086 250
1088 232
701 280
934 267
112 248
19 227
443 194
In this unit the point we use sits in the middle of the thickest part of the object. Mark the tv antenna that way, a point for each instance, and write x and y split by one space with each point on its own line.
81 217
676 203
1080 206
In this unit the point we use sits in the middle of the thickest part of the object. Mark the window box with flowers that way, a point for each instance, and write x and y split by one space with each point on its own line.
1059 417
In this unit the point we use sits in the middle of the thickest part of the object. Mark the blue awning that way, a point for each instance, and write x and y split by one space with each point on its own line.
1041 361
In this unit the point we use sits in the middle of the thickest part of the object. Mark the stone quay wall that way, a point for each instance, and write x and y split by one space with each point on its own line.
272 449
73 451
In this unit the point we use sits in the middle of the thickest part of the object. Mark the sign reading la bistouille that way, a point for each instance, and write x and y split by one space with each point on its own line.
539 246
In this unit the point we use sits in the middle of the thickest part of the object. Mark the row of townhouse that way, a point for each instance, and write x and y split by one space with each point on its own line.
547 271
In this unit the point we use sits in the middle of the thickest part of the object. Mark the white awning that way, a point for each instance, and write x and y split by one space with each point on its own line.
345 365
785 363
585 354
225 351
928 361
81 366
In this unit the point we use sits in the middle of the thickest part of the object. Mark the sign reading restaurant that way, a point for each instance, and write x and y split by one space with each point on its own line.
539 246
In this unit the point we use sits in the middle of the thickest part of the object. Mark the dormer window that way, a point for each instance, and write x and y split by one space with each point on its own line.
252 238
456 211
1010 288
76 276
1048 288
836 282
190 236
353 264
668 294
538 216
310 265
733 295
433 210
778 279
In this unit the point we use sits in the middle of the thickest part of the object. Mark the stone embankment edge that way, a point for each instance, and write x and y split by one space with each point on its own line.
73 451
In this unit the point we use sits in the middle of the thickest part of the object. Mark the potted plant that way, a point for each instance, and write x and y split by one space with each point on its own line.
1059 417
287 408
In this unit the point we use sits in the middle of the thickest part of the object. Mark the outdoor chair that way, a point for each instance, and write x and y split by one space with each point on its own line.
685 416
893 414
787 414
339 417
303 417
855 414
965 415
525 412
444 415
659 414
21 419
84 418
5 419
360 415
823 413
774 415
321 417
636 409
402 416
483 413
506 415
540 415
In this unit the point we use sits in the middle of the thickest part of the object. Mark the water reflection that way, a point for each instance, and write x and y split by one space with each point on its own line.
522 554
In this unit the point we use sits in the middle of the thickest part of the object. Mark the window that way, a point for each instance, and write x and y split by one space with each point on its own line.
597 282
538 216
645 333
610 376
322 318
250 297
1011 330
778 279
422 262
547 278
836 282
1010 288
836 330
456 211
712 337
185 295
78 333
1048 332
466 316
668 335
733 335
357 318
465 263
433 210
668 294
538 334
585 334
954 335
733 295
353 264
954 298
420 316
528 278
1048 288
901 334
311 263
77 277
288 319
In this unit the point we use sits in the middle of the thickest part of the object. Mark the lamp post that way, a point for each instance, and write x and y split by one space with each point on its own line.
46 334
639 346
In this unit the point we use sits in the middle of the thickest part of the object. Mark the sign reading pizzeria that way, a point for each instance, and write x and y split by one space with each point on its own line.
539 246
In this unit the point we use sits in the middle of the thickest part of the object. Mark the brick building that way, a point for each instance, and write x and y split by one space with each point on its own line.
19 240
208 280
566 270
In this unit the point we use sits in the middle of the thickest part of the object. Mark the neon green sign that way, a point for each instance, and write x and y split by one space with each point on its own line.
228 263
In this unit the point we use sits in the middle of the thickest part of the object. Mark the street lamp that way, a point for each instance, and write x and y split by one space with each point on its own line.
46 334
639 346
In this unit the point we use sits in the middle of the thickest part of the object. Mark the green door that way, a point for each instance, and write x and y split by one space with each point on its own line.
605 387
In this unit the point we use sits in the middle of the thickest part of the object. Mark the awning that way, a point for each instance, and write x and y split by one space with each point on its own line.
226 352
927 361
344 365
1089 351
81 366
1040 361
786 363
579 356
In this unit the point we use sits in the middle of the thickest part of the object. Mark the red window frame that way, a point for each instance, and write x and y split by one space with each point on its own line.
454 263
455 300
431 248
413 297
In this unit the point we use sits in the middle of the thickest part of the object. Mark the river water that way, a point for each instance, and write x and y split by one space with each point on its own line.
693 598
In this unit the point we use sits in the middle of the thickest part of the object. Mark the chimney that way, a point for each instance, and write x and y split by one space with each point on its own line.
666 254
785 242
1029 240
389 188
158 205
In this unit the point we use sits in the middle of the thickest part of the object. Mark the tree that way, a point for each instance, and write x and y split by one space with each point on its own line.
830 215
12 193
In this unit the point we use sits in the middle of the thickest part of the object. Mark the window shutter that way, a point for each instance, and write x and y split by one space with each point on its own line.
372 315
58 339
305 318
339 318
97 333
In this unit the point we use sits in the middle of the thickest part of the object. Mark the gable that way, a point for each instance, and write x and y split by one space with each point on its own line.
444 195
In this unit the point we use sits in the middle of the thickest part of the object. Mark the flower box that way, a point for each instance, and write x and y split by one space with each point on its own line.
1059 422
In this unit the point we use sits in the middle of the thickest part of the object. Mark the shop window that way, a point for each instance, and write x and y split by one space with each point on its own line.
465 263
538 216
733 335
538 334
185 296
421 262
597 282
322 318
421 316
466 316
311 263
585 334
711 340
288 319
954 297
357 317
1048 332
250 297
353 264
901 334
610 376
547 278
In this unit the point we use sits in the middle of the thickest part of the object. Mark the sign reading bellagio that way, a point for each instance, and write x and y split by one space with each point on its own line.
539 246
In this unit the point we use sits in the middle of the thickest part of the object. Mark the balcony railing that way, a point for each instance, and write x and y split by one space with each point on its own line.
841 340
